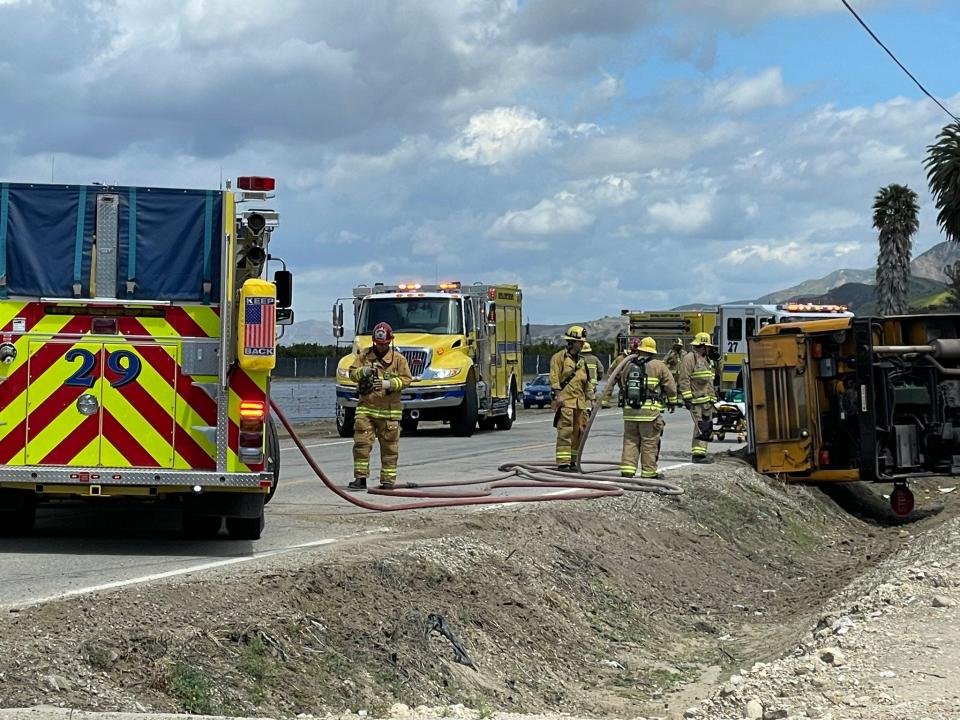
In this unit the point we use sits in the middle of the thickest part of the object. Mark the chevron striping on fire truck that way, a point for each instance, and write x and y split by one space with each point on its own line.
123 370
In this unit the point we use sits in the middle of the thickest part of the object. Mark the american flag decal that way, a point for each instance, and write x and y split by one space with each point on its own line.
259 326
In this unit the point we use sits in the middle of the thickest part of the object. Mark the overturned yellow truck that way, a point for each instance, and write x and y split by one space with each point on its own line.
874 399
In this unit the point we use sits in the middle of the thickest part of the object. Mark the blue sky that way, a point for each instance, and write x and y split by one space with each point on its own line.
603 155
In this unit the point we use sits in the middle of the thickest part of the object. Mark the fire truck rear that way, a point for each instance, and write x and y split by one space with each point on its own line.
137 339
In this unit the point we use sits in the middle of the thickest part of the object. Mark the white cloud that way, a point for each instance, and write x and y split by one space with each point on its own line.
501 135
743 95
559 215
683 216
569 211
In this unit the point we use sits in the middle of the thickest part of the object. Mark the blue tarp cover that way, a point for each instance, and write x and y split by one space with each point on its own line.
42 230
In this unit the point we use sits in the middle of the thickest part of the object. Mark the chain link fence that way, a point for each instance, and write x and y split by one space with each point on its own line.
326 367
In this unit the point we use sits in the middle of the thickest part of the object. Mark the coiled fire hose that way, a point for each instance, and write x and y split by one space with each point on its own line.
539 474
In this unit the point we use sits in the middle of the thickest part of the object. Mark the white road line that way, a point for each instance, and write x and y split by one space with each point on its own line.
169 574
316 445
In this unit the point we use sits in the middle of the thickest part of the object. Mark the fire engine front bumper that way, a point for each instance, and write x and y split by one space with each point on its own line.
127 477
415 397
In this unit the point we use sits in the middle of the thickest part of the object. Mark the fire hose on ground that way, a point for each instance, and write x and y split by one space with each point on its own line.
580 485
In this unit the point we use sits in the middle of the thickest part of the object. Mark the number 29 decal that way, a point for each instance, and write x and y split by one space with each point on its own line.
122 362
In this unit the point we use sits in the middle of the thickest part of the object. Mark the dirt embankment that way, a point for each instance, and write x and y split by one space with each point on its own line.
628 607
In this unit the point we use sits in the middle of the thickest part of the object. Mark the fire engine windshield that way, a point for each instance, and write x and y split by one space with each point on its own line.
438 316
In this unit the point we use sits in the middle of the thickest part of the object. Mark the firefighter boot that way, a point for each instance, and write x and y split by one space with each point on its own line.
702 459
358 484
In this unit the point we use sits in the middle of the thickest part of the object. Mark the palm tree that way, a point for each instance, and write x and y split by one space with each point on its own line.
943 176
895 215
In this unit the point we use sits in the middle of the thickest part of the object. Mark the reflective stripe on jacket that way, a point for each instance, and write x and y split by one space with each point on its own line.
394 374
660 388
577 392
696 379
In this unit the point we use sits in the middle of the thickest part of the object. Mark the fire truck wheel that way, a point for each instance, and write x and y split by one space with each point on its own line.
273 458
201 526
505 422
345 419
22 512
486 423
245 528
464 420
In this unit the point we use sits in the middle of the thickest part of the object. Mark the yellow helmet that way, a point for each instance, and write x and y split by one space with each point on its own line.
575 332
586 347
702 338
648 345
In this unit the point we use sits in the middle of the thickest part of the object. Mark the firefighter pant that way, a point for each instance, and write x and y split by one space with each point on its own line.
699 413
367 428
641 439
569 431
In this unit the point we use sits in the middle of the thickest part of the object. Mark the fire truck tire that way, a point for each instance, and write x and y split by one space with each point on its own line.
505 422
201 526
345 419
245 528
486 423
464 420
18 514
273 458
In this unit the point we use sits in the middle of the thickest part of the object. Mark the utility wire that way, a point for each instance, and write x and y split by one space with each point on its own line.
894 57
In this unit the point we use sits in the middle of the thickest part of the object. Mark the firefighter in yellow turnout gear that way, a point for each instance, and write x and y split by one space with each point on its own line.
648 388
674 358
594 368
570 380
381 373
697 374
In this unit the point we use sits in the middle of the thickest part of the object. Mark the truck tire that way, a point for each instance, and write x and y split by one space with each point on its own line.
245 528
505 422
201 527
19 513
486 423
272 464
345 419
464 420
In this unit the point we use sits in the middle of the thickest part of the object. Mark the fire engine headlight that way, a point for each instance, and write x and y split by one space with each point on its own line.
444 373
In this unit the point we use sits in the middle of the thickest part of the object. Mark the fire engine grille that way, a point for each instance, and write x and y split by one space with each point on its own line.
417 360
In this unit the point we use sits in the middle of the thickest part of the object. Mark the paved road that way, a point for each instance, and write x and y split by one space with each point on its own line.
90 545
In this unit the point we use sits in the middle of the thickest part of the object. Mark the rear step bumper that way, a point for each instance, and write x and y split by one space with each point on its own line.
132 476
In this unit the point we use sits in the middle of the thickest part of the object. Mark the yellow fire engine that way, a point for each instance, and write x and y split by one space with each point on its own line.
463 345
730 326
138 339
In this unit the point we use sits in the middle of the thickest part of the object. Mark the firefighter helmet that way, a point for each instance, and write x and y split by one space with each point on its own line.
586 347
647 345
576 332
678 343
382 334
701 339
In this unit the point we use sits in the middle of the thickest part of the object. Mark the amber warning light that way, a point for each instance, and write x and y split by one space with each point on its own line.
255 183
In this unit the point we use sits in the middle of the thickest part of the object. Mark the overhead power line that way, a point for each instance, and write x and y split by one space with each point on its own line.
894 58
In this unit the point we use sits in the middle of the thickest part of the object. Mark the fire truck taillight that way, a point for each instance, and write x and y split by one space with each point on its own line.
252 416
253 410
255 183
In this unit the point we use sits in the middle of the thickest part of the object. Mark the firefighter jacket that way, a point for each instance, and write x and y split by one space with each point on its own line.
572 374
661 391
594 372
672 360
696 379
393 371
